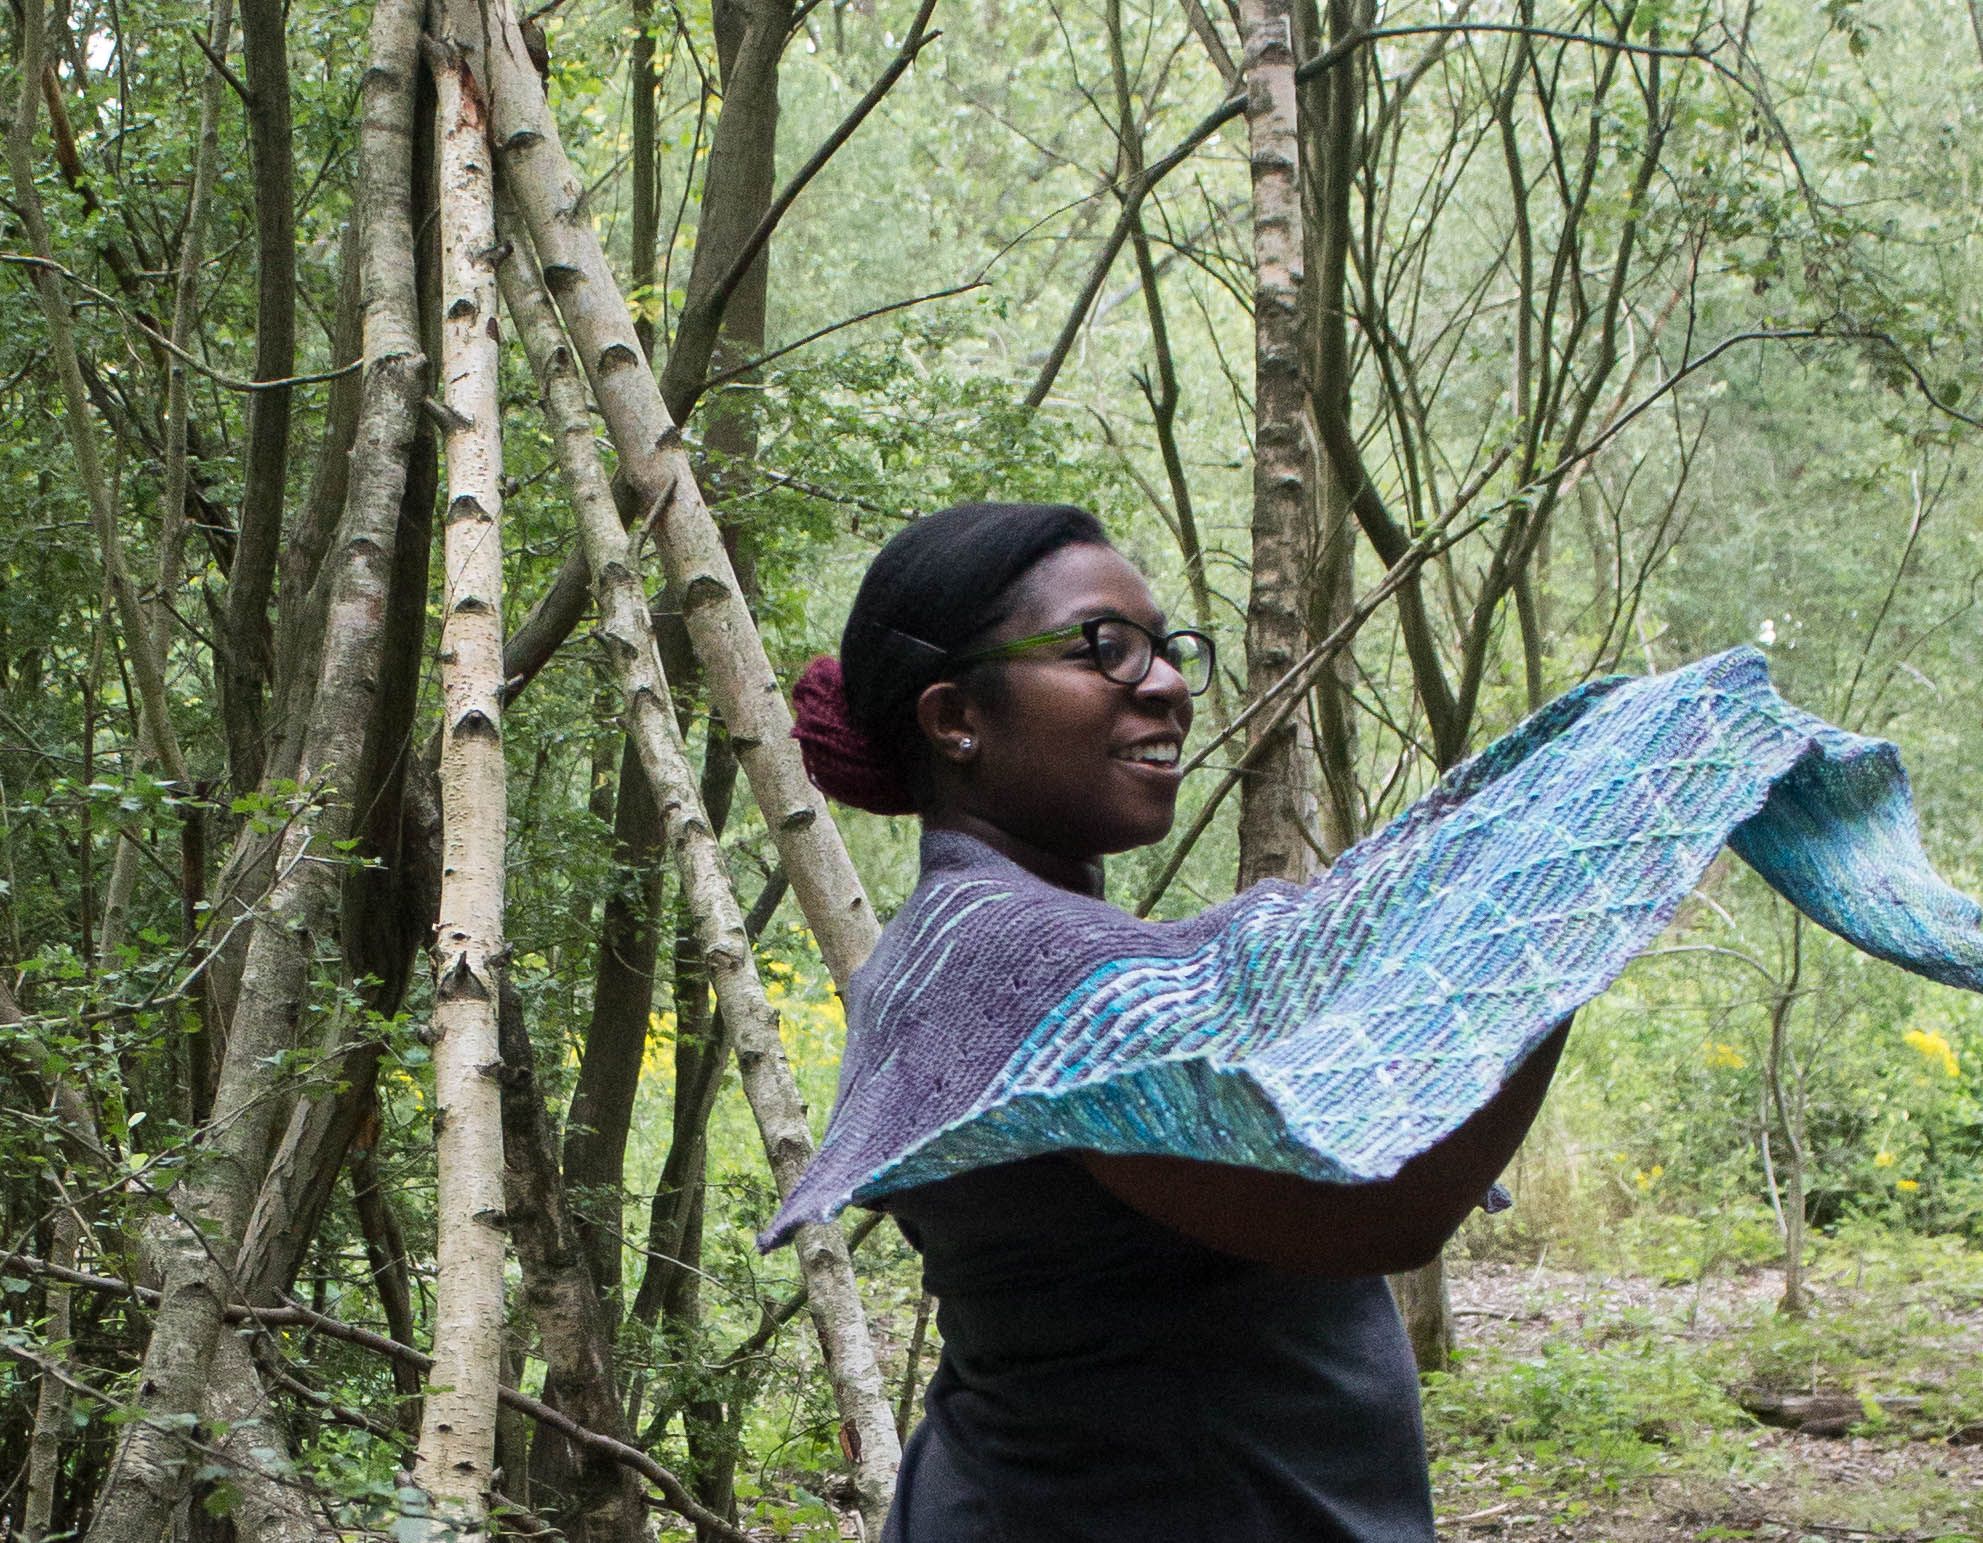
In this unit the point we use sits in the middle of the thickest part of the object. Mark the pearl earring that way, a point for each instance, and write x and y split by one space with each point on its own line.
967 743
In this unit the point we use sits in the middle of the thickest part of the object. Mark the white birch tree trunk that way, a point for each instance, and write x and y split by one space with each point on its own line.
748 1018
458 1431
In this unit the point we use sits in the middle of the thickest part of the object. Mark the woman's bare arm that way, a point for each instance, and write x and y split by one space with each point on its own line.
1339 1229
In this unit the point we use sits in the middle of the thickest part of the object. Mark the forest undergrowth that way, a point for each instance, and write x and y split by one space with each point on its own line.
1613 1402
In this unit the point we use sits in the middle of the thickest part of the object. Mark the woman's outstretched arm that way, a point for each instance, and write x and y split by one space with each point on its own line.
1378 1228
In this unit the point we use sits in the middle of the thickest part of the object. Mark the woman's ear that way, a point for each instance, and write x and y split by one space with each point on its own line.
950 720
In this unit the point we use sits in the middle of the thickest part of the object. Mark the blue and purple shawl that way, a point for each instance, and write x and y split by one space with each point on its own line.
1337 1029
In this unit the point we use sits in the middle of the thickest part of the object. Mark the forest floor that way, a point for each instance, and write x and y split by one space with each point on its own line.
1610 1408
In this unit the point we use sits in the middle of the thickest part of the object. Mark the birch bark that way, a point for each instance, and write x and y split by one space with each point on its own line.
458 1430
195 1265
550 198
627 633
1276 801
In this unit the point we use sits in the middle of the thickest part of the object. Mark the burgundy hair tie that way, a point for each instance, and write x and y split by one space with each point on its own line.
843 763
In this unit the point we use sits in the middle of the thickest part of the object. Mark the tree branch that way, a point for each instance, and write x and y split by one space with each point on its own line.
682 383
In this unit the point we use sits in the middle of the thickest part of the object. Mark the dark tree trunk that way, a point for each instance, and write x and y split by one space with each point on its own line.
245 666
602 1500
622 1001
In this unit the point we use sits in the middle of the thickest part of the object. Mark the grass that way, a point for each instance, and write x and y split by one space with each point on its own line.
1610 1407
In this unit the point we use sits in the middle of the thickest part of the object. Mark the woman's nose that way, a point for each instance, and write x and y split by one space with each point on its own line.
1164 683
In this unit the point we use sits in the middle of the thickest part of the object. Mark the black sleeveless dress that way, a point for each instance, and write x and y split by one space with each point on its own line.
1106 1380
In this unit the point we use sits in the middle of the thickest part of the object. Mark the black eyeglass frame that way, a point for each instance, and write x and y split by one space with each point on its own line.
1090 630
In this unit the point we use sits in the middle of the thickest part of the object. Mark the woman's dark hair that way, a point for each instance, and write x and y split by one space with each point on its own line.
937 585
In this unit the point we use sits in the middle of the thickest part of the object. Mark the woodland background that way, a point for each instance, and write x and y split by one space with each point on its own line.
1492 345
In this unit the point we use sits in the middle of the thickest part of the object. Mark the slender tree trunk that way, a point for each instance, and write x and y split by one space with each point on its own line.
52 1402
750 39
1277 805
1331 144
385 1256
1330 112
627 634
645 217
458 1434
198 1092
185 310
1794 1303
601 1113
145 663
245 666
51 1408
742 686
302 905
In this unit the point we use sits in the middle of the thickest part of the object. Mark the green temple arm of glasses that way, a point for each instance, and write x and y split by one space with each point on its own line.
1022 645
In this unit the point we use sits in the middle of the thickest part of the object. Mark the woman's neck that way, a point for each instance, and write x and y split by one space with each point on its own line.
1082 875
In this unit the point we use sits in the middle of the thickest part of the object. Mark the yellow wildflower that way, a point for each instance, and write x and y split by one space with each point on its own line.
1723 1056
1906 1186
1883 1159
1934 1049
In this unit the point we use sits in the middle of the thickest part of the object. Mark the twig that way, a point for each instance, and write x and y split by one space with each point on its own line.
1436 540
735 372
1334 55
1481 1516
219 62
1430 544
191 361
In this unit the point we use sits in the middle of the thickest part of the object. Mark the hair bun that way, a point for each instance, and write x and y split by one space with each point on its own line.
843 763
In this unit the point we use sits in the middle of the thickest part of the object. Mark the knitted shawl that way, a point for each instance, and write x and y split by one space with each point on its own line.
1337 1029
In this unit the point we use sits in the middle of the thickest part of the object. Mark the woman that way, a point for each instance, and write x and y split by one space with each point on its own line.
1134 1347
1144 1339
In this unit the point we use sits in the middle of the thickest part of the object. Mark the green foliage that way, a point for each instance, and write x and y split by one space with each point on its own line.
1575 1422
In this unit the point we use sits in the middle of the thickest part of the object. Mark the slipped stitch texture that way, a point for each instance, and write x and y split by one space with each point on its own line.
1337 1029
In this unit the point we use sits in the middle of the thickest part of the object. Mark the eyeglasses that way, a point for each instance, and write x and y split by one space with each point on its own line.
1121 649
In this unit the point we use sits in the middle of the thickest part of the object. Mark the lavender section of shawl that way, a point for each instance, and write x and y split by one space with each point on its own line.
1337 1030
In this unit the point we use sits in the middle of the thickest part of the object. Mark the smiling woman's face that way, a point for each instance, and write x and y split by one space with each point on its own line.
1057 757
